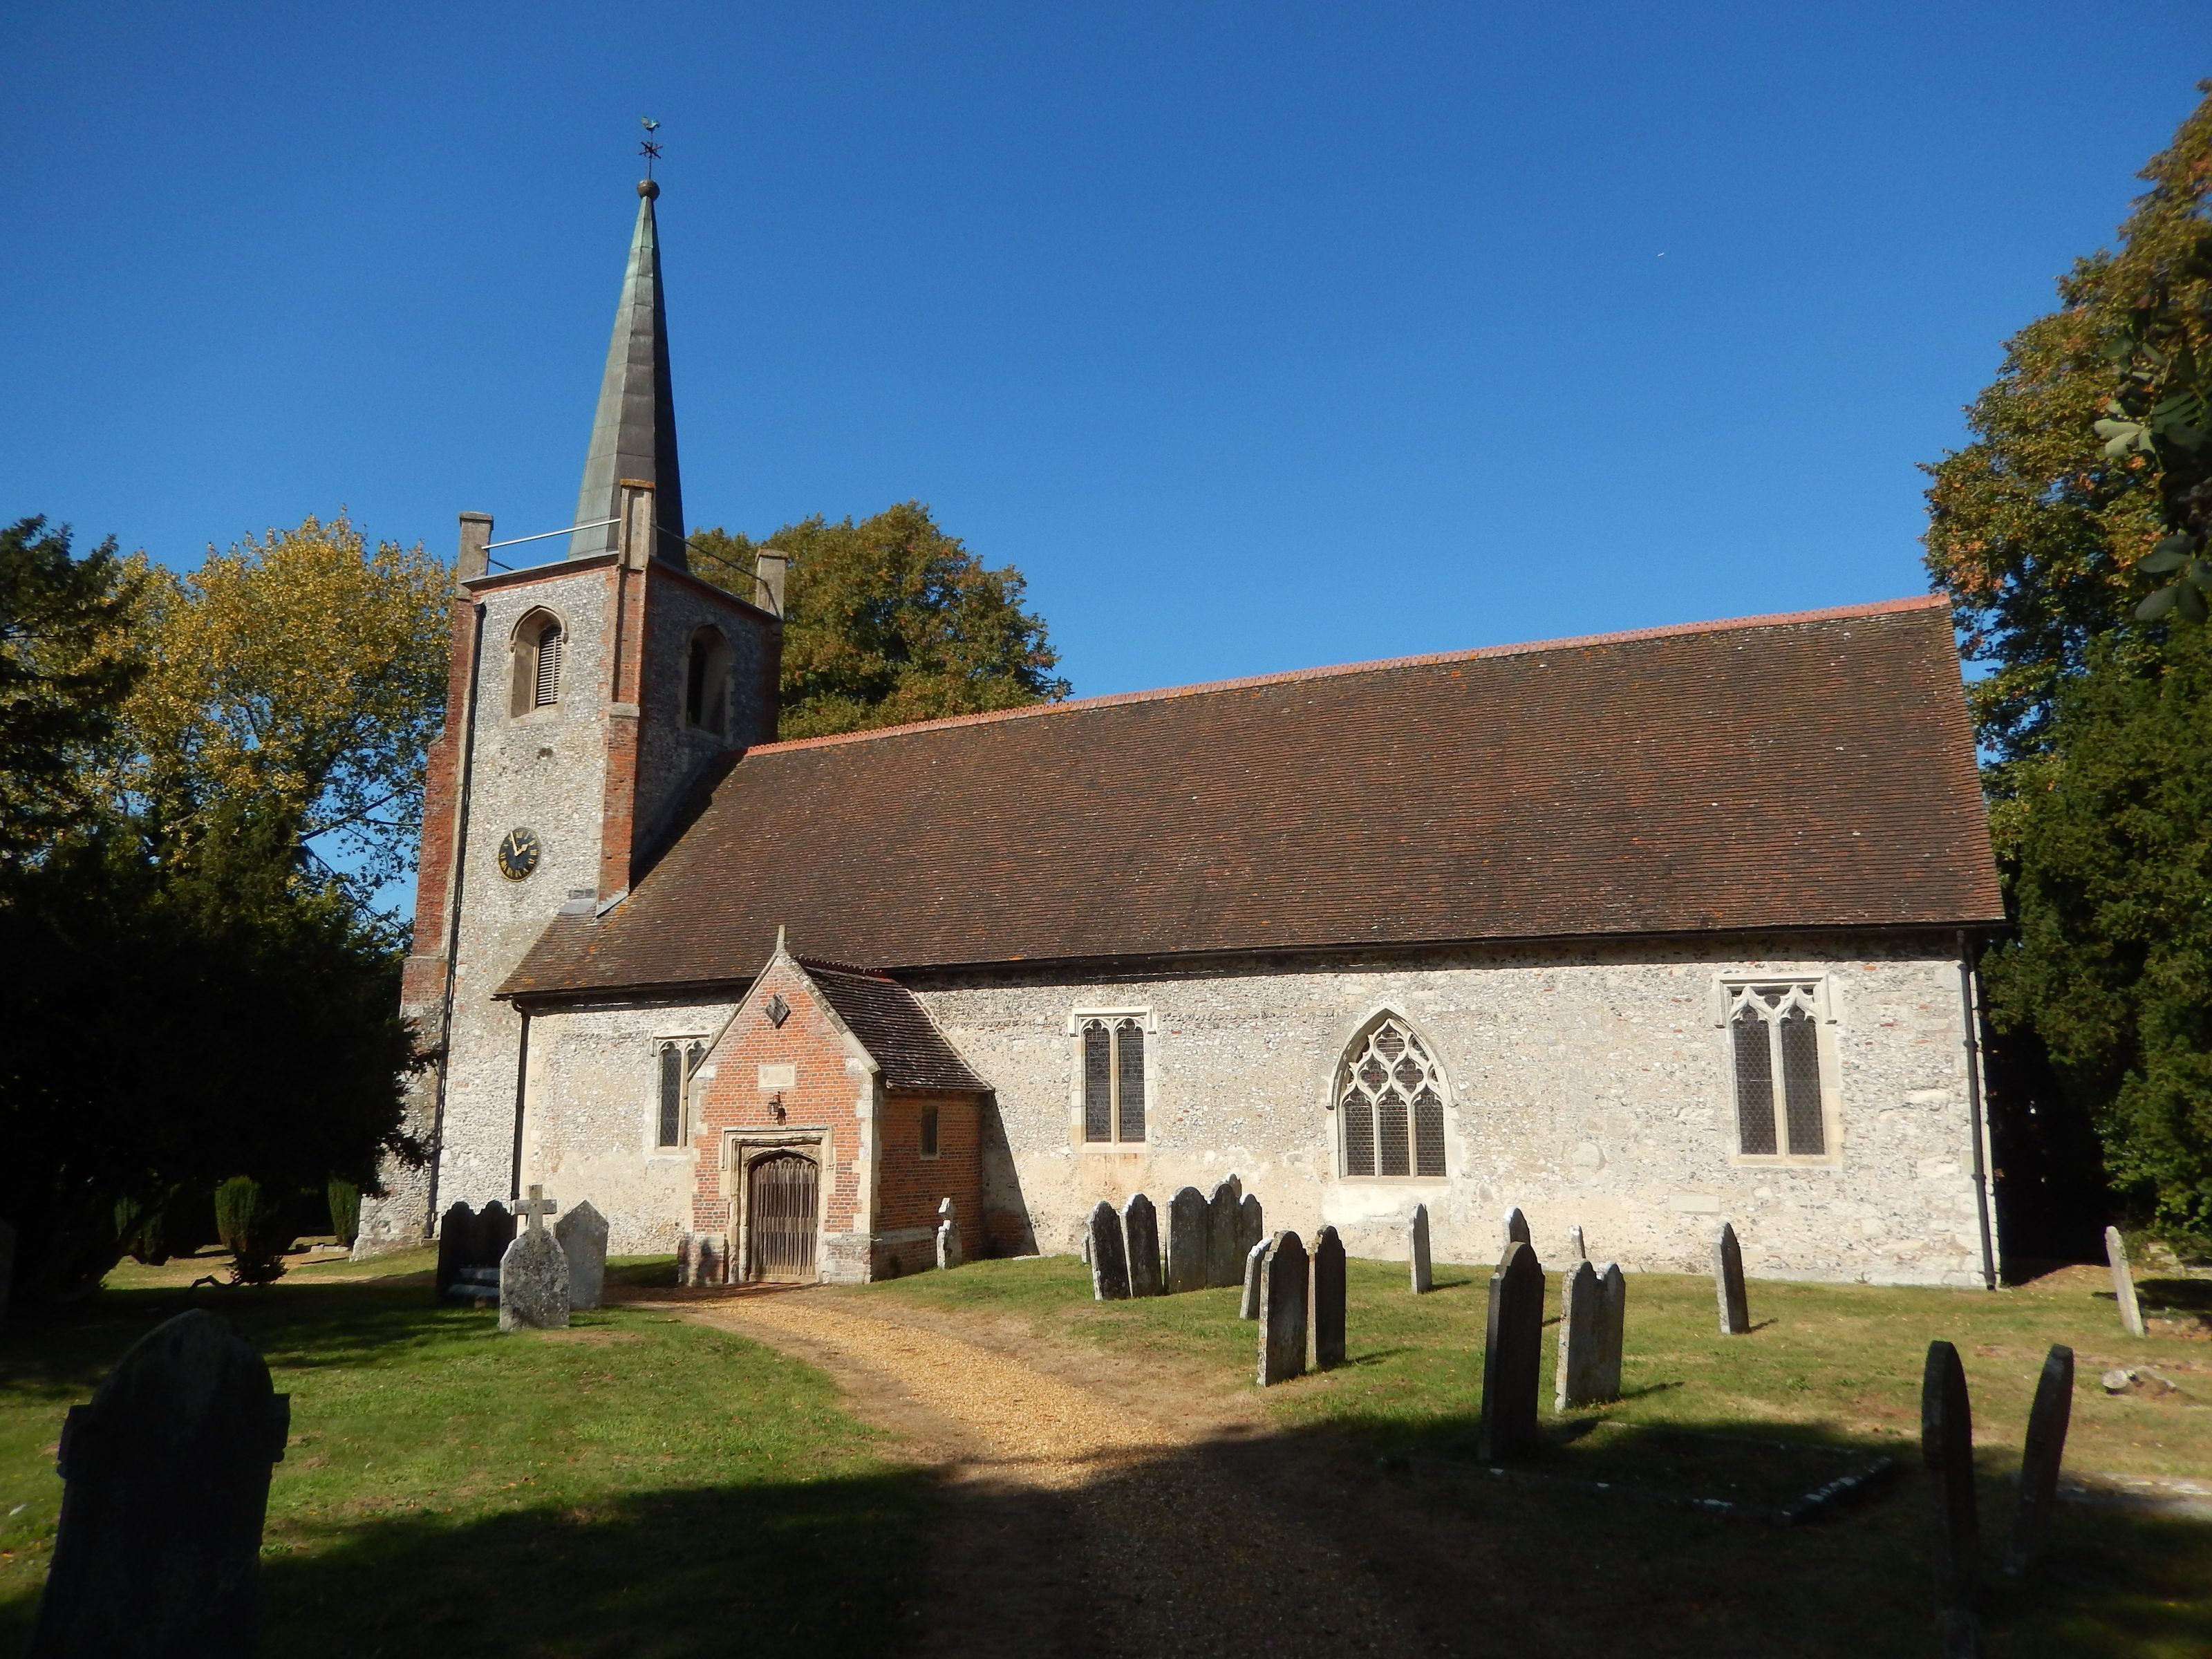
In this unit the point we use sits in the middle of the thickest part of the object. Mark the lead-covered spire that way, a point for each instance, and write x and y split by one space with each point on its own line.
633 433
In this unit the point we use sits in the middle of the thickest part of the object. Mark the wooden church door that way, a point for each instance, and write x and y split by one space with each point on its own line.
780 1212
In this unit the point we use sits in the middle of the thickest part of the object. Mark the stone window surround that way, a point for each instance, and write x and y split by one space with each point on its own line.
743 1148
694 1083
1148 1022
1826 1011
1347 1049
522 663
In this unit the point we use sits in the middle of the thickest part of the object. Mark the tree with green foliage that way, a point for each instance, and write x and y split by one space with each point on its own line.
890 620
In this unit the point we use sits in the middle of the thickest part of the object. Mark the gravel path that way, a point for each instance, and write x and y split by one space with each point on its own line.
1078 1521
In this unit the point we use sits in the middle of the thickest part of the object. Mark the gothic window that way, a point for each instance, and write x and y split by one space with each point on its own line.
1390 1104
706 682
539 640
678 1061
1774 1046
1113 1078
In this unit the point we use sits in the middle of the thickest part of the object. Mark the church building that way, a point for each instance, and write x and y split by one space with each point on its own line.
1639 933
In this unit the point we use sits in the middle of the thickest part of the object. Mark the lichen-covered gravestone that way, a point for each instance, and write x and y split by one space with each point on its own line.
1110 1263
1223 1258
533 1274
457 1246
1326 1299
1728 1282
1255 1260
1282 1310
1417 1250
1140 1238
1613 1332
582 1236
1955 1544
1251 1225
2039 1460
1582 1337
1515 1232
159 1549
1186 1241
2123 1282
948 1235
1512 1356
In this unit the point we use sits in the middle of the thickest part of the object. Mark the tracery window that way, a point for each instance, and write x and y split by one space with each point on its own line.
1113 1078
678 1061
1390 1104
1774 1044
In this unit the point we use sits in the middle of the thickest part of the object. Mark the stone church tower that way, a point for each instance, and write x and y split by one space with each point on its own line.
590 700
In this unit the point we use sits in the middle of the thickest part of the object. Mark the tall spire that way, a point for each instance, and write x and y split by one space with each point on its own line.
633 433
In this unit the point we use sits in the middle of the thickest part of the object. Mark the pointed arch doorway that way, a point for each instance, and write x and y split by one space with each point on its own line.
783 1193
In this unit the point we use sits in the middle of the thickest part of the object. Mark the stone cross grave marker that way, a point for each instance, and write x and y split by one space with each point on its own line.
1109 1262
533 1274
1251 1225
1954 1544
167 1485
1515 1231
1417 1251
1325 1300
1282 1310
1511 1357
1728 1282
1582 1337
1223 1258
2123 1281
1140 1233
1186 1241
1255 1262
7 1268
582 1235
1613 1330
1574 1246
2039 1460
948 1235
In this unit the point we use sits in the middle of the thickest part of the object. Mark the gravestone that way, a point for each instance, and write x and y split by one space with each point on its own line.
1582 1337
1140 1235
1110 1263
1254 1258
1325 1300
582 1235
1515 1231
2123 1282
7 1268
1728 1282
495 1230
2039 1459
1223 1258
533 1274
1417 1250
166 1474
1251 1225
1613 1330
1955 1544
1282 1310
1186 1241
1574 1246
948 1235
457 1246
1512 1355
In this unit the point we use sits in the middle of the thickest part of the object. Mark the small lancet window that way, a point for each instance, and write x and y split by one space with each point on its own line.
1390 1104
1113 1080
929 1131
677 1064
707 683
1774 1043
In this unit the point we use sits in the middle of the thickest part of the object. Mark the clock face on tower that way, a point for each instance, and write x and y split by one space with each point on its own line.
517 854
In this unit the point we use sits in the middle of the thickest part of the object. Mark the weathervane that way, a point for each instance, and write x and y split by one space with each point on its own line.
649 149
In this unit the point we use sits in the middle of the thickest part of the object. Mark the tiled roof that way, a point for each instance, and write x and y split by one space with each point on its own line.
1813 771
893 1027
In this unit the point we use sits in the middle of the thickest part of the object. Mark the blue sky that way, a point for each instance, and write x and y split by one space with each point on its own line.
1258 337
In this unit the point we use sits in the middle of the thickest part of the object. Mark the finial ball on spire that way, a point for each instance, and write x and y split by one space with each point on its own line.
647 188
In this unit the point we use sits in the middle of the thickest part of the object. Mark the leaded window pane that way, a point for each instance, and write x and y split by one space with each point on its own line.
671 1096
1391 1109
1358 1115
1754 1083
1097 1082
1393 1145
1428 1133
1800 1037
1129 1059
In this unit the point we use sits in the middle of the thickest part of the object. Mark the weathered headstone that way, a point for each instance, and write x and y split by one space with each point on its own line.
1955 1543
583 1238
7 1268
1417 1250
2123 1281
1613 1330
1251 1225
497 1226
1254 1260
1140 1235
167 1475
1186 1241
1325 1300
1582 1337
1223 1258
1110 1263
533 1274
1728 1282
948 1235
1515 1232
1575 1245
1512 1355
457 1246
2039 1460
1282 1310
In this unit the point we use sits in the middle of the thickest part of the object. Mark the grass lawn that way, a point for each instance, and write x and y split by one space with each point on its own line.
632 1485
1836 1367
